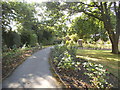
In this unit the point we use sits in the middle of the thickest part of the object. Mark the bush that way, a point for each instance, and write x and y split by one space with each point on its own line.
45 37
74 37
97 74
33 40
5 48
97 45
64 56
57 41
25 37
29 38
16 39
11 39
66 61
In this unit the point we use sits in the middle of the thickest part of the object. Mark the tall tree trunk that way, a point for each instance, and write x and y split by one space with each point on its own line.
114 37
118 24
114 42
115 48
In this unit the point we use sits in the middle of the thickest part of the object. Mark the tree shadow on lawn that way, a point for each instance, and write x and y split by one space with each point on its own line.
100 54
111 66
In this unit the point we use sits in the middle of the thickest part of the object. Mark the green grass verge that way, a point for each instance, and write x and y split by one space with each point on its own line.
105 57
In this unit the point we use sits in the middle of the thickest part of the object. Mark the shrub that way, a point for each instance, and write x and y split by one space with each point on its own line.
33 39
57 41
74 37
66 61
97 74
64 56
11 39
16 39
5 48
25 37
29 38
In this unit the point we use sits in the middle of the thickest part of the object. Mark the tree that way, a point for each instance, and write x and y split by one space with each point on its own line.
103 11
88 27
19 12
57 19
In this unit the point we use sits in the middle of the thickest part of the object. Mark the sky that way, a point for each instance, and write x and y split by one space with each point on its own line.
38 1
87 1
68 0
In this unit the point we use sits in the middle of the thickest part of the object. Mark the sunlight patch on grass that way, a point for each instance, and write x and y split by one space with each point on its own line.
112 59
101 54
88 58
104 57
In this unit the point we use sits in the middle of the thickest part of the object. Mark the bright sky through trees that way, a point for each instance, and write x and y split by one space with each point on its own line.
38 1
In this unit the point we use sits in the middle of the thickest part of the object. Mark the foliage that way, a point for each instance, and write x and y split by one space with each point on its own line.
17 11
11 53
104 57
74 37
88 27
29 38
66 61
57 18
47 37
14 57
98 75
11 39
23 15
72 48
29 30
57 41
104 12
25 37
58 50
64 57
97 45
33 39
45 34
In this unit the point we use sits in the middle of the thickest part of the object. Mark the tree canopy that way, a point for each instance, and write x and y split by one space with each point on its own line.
27 29
100 20
106 12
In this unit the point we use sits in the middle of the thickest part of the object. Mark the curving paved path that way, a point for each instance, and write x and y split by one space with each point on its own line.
33 73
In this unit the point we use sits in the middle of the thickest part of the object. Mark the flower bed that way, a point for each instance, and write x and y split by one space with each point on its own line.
79 73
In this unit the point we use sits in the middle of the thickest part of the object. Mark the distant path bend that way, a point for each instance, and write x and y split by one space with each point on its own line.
33 73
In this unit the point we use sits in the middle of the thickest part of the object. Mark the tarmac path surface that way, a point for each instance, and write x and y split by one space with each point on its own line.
32 73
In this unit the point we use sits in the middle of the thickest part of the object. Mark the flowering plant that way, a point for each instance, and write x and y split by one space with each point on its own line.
97 74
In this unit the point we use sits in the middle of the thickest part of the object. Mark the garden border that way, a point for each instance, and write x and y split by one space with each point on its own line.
12 70
52 67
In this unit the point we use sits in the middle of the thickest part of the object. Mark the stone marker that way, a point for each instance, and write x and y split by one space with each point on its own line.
80 41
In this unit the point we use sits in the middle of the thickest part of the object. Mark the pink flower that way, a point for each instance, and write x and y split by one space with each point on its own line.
106 69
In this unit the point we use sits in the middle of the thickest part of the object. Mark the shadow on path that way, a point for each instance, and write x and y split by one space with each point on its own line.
33 73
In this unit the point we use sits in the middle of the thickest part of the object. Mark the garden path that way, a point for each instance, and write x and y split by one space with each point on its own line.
33 73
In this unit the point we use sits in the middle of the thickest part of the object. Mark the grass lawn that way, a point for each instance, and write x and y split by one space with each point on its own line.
105 57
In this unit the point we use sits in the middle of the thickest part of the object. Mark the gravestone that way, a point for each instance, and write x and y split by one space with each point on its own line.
80 41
